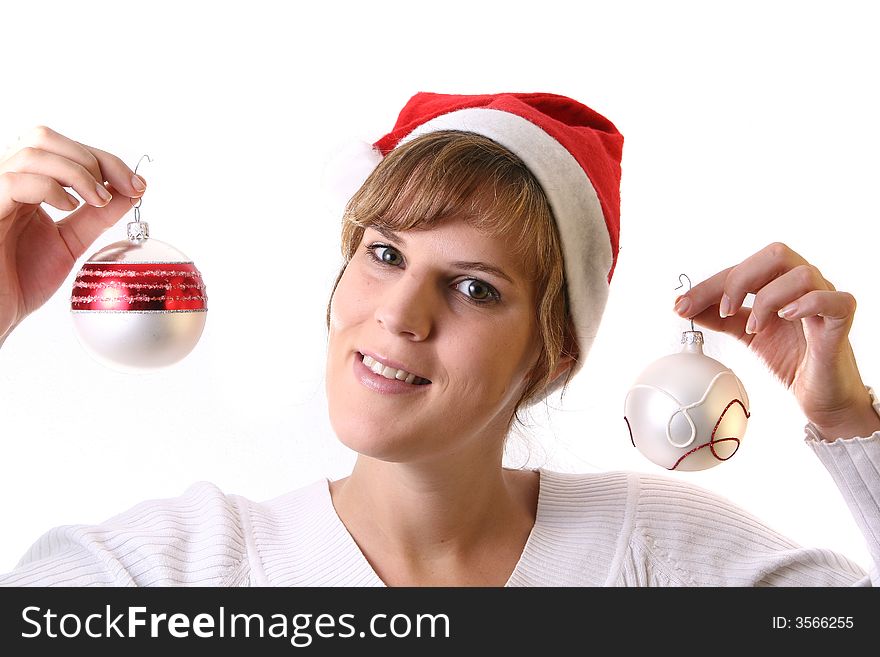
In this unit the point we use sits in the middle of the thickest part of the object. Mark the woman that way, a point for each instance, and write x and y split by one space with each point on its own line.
477 259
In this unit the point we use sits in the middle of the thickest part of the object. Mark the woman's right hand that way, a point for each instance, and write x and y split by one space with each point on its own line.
36 253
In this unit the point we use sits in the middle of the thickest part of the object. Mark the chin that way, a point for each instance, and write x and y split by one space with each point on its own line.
376 436
376 445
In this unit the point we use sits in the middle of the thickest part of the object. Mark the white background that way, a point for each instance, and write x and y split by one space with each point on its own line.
745 124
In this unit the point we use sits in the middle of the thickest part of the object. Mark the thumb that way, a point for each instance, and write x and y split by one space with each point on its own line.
82 227
734 325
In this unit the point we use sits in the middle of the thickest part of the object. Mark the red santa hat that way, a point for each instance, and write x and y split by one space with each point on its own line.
573 152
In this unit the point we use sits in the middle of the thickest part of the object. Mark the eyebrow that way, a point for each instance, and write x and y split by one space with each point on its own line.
474 265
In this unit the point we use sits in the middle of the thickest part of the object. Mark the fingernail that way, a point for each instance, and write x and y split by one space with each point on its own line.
750 325
138 183
790 309
724 308
103 193
682 305
74 202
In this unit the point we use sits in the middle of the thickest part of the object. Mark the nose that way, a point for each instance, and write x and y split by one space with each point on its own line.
405 307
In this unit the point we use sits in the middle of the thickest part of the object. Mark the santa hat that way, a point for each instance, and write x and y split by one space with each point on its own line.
572 151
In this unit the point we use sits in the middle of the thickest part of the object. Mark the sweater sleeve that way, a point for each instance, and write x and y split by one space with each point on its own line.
854 465
191 540
686 536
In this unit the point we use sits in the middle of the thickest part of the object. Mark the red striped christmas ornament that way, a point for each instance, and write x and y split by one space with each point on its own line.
139 304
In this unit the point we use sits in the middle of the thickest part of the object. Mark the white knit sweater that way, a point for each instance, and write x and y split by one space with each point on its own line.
610 529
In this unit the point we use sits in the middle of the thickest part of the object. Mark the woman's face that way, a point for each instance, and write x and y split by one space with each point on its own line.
452 309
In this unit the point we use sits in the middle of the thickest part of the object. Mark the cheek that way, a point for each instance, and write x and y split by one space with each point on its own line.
350 300
347 312
491 363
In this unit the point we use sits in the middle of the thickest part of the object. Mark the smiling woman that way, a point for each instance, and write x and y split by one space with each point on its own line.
477 259
419 315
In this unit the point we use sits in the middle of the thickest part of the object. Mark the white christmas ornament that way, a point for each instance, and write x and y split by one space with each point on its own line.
687 411
138 304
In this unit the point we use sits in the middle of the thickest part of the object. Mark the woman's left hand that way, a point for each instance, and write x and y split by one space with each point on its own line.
799 326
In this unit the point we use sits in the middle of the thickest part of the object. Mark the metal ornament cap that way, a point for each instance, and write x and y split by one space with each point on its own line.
138 231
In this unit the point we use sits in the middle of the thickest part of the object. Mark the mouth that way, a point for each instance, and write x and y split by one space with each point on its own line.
395 374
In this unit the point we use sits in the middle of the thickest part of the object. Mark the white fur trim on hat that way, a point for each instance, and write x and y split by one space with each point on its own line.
346 170
586 246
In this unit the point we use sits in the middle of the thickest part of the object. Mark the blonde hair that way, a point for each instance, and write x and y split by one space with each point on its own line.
452 173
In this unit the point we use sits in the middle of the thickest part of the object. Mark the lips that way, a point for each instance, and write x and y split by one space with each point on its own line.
391 370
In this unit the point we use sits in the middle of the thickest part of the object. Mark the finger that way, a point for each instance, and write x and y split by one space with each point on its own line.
705 294
830 304
32 188
781 292
65 171
46 139
118 174
81 228
103 166
727 289
733 325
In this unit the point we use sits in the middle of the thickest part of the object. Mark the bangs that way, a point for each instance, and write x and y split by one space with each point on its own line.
452 174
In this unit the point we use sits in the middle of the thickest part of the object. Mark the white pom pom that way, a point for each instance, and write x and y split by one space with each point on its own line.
346 171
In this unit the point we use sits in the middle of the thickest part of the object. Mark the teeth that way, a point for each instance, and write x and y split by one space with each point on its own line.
388 372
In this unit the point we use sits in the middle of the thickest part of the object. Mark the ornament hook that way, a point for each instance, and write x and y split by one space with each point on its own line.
689 289
138 230
137 213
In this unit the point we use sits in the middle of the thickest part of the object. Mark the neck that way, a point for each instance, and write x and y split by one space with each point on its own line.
424 517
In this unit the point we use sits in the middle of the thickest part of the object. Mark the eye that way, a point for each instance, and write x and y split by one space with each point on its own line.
387 255
478 291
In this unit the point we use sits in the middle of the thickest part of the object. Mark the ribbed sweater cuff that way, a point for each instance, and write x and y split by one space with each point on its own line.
854 464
